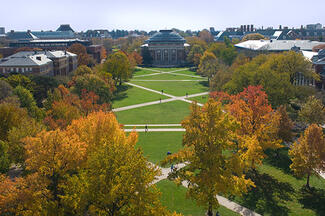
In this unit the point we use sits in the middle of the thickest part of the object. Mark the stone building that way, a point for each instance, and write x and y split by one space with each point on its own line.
166 48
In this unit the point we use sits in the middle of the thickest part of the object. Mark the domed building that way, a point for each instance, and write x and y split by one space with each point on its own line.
166 49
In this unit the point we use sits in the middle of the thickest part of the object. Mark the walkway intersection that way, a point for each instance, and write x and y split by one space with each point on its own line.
173 127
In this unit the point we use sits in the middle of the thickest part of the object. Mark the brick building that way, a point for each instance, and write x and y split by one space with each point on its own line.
51 63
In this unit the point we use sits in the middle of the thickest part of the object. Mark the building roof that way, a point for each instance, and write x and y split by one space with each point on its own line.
15 35
29 60
309 54
47 54
65 27
166 36
277 45
53 34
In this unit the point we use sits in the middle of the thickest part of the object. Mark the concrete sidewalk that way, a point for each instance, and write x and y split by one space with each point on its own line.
156 130
172 98
222 200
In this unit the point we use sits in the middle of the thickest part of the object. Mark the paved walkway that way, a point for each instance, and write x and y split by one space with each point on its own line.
156 130
172 98
152 125
136 80
168 72
222 200
165 171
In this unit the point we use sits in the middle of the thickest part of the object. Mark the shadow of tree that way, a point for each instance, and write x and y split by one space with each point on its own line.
204 83
269 195
121 92
279 158
313 198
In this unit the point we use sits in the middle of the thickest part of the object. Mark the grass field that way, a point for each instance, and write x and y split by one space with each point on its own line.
129 95
141 71
200 99
167 77
278 192
174 198
155 145
188 72
165 113
176 88
165 69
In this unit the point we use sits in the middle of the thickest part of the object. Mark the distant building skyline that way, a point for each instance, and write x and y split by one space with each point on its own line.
147 15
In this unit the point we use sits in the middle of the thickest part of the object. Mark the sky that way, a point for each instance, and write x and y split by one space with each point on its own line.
149 15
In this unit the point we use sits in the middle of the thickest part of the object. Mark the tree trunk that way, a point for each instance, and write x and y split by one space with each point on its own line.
210 213
307 185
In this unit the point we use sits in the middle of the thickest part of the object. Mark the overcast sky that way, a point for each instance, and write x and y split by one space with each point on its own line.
157 14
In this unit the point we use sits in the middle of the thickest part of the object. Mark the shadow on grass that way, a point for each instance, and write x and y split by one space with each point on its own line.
121 92
279 158
204 83
269 196
313 198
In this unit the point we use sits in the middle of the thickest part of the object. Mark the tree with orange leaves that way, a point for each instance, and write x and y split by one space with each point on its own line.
81 51
259 123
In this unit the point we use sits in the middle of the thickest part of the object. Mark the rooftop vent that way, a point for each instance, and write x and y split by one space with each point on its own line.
39 58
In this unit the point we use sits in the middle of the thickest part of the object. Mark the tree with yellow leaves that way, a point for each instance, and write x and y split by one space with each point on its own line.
89 168
308 153
214 166
117 178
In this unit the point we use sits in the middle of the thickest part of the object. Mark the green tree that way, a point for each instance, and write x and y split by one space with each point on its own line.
213 166
10 116
308 153
313 111
43 84
82 70
208 65
226 51
20 80
196 52
27 101
93 83
118 65
275 72
253 36
5 90
4 157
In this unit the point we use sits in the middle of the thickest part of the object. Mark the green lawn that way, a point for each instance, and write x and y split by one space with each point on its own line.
188 72
166 69
176 88
167 77
142 71
278 192
129 95
166 113
174 198
200 99
155 145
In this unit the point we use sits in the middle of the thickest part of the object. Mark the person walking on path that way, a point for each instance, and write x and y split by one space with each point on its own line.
146 128
162 91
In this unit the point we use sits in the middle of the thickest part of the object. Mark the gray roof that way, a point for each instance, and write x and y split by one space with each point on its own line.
49 54
53 34
31 60
277 45
166 36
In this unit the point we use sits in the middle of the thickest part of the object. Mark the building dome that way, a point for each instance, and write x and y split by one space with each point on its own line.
166 36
